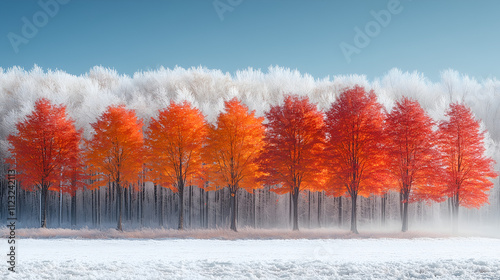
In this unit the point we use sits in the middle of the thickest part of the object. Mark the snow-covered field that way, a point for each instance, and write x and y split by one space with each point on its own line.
176 258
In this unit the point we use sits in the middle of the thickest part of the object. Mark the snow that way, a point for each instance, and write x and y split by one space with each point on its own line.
186 258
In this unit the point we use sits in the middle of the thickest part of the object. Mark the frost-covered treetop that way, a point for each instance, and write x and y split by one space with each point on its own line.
87 96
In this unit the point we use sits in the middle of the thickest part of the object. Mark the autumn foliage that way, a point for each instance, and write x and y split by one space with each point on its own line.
412 156
353 149
293 145
175 140
45 149
233 147
116 149
354 154
467 168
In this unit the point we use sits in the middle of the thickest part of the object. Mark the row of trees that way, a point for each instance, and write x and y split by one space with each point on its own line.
355 148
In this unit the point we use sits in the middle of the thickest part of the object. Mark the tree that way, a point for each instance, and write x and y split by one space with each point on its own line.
175 140
116 149
45 148
233 147
354 154
413 159
467 168
293 145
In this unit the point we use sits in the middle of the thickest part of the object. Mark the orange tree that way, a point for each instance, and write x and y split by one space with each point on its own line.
45 148
233 147
116 149
413 159
354 152
175 140
467 168
293 145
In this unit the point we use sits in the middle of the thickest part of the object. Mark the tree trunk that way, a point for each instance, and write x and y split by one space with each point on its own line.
295 198
207 201
254 209
190 202
232 207
201 208
216 193
405 195
113 202
455 206
119 197
67 209
125 203
161 208
405 216
319 208
143 197
309 210
45 189
290 206
73 210
340 212
227 209
181 204
156 201
401 204
236 207
108 201
216 207
92 206
354 224
99 207
383 206
60 205
130 198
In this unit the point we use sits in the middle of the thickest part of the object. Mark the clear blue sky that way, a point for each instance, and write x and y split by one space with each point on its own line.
427 36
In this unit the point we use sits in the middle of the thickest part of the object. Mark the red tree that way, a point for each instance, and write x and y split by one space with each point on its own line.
354 153
234 145
467 168
175 141
116 149
293 147
45 148
412 157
